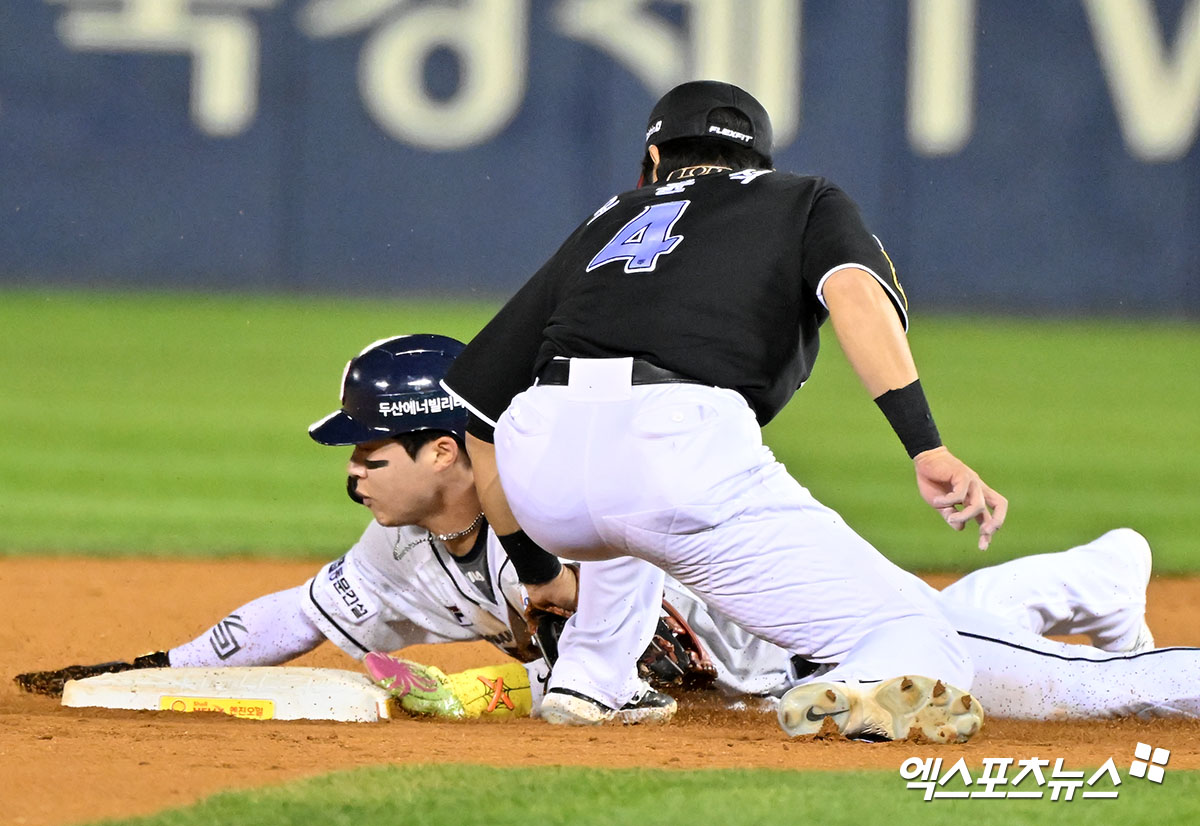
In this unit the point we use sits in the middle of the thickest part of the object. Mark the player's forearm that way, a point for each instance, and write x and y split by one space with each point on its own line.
487 485
533 564
869 331
872 338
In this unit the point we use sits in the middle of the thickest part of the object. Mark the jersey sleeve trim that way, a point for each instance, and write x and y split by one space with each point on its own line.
897 301
467 404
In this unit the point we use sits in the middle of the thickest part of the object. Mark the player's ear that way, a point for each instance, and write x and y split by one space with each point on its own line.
655 158
445 451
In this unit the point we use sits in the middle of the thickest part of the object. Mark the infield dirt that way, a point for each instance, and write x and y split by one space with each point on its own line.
65 765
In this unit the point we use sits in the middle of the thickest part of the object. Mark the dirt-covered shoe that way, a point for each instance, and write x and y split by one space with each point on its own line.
564 707
51 683
902 708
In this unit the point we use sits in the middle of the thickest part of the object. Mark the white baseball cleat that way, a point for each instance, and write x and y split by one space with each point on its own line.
564 707
902 708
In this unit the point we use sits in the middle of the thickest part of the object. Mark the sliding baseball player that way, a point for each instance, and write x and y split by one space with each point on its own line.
427 569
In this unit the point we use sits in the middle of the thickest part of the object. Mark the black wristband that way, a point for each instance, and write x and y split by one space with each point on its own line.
908 414
532 564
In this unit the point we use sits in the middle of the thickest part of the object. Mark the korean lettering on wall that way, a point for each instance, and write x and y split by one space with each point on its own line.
1153 75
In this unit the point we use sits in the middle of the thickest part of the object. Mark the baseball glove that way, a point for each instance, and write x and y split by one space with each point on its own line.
675 657
51 683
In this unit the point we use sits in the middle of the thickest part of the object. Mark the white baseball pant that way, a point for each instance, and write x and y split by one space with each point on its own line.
677 475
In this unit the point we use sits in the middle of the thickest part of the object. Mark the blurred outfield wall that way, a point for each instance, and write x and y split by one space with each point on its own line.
1027 156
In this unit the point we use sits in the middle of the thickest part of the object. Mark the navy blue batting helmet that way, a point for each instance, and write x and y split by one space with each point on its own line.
394 387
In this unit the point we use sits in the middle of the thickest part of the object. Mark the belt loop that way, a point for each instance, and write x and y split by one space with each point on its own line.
602 379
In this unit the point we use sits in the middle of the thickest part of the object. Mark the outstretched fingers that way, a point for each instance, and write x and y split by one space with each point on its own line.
980 504
958 486
968 499
973 505
991 520
958 493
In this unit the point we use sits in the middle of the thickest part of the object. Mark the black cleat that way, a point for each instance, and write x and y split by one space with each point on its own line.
51 683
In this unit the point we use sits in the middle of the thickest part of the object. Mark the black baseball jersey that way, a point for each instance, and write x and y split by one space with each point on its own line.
717 277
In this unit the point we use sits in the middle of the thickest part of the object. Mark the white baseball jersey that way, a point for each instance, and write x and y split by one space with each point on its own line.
400 586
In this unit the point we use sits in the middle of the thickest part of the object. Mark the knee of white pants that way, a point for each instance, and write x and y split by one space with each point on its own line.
1097 589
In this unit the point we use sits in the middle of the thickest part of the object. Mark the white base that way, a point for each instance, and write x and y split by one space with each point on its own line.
282 693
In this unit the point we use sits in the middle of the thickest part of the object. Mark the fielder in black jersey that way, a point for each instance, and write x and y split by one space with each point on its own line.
717 277
624 386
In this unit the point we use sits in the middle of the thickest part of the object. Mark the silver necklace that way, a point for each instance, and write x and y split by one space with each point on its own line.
399 553
448 537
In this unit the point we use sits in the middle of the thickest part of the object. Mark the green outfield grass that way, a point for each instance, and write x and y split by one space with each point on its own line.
582 797
172 424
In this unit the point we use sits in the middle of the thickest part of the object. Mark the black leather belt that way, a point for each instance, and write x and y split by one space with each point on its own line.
558 371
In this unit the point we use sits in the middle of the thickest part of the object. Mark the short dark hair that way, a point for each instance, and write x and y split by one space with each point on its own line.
684 152
414 440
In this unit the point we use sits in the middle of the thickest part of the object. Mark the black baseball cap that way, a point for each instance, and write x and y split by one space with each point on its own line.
683 113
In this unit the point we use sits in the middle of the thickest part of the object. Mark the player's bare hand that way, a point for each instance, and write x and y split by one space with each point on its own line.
558 596
958 493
